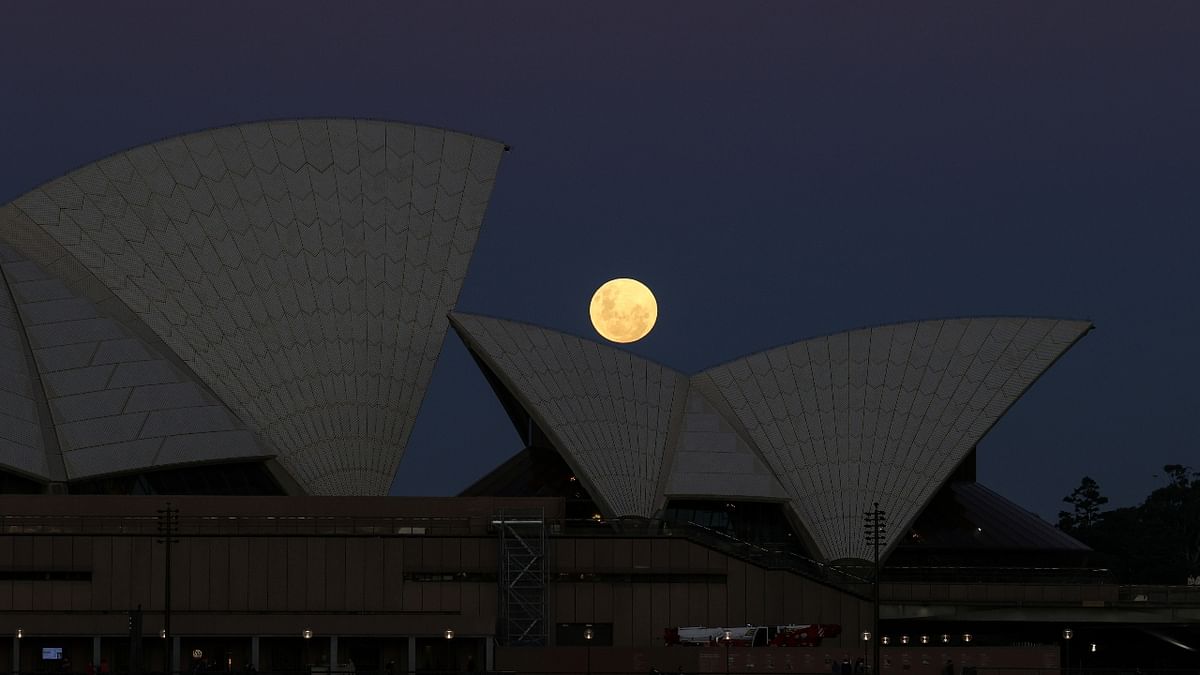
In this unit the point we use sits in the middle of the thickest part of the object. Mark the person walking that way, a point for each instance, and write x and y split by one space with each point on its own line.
948 669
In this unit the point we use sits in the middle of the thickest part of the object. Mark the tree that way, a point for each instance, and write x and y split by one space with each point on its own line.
1086 500
1174 512
1179 475
1157 541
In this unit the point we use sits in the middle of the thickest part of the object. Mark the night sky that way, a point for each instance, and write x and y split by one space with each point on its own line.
771 171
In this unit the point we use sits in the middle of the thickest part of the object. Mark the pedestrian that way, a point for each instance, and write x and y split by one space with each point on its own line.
948 669
845 668
860 666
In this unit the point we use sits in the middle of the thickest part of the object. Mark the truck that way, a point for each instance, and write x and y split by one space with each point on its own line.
789 635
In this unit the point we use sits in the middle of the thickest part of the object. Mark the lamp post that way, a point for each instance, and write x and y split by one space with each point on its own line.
866 640
728 636
1067 635
588 635
168 527
449 635
874 526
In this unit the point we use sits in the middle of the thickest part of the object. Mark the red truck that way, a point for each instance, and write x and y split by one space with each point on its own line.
791 635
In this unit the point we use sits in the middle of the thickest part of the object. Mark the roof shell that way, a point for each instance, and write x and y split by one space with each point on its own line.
300 270
883 415
609 412
830 425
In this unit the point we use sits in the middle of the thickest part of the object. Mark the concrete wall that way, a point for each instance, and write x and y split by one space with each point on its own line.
734 593
338 566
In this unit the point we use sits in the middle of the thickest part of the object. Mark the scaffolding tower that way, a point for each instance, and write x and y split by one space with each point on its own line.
522 577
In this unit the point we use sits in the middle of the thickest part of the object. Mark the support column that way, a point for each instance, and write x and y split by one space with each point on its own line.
333 655
16 655
412 656
489 654
254 652
96 653
173 655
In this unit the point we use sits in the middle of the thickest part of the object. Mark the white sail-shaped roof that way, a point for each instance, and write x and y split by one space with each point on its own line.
712 459
609 413
882 414
24 447
106 401
828 426
301 270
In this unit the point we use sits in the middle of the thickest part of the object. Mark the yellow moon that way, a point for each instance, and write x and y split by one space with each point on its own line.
623 310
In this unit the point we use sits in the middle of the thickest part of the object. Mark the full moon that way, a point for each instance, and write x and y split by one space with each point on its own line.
623 310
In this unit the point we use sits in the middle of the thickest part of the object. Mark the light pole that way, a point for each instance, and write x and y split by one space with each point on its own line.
874 525
449 635
588 635
1067 635
168 527
727 635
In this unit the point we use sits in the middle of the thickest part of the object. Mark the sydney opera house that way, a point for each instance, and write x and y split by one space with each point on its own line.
243 322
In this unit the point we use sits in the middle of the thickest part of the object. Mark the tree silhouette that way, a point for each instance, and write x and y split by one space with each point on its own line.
1157 541
1086 500
1174 512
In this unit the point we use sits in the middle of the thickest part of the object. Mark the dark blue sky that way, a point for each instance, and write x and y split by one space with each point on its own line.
771 171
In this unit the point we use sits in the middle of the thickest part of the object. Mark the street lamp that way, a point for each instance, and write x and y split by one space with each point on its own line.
588 634
168 529
874 528
728 636
1067 635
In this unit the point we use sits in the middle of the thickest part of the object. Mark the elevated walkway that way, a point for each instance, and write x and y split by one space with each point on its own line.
1061 602
738 549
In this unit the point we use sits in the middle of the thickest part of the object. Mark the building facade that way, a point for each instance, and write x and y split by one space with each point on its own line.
293 583
212 352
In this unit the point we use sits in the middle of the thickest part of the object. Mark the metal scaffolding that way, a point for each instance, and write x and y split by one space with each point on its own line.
522 578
